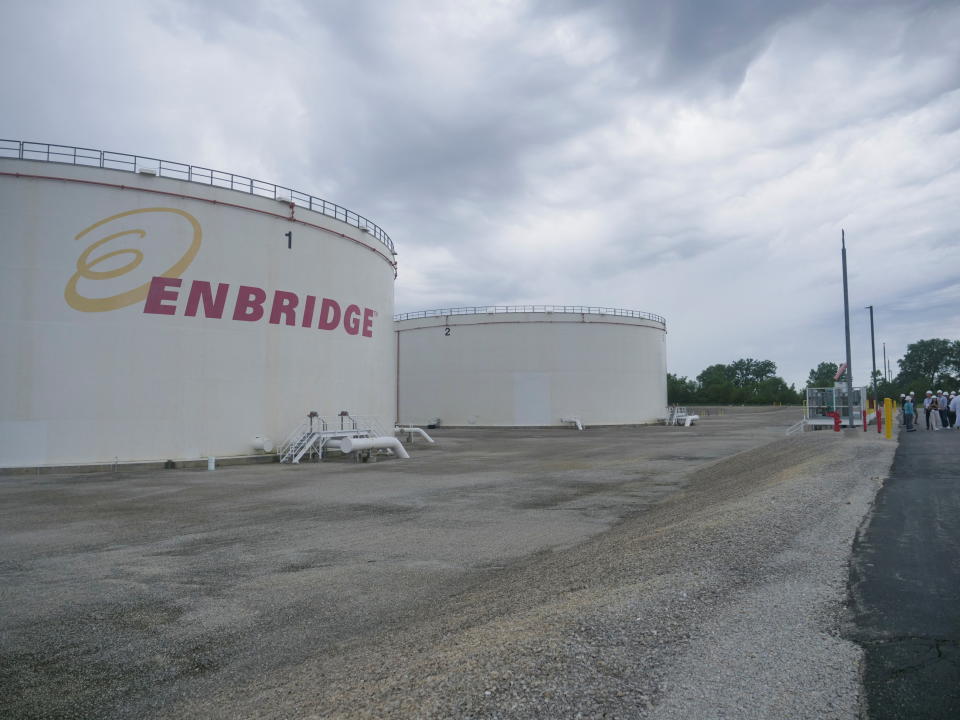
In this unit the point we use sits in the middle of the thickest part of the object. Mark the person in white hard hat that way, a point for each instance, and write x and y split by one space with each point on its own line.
952 410
903 399
928 404
943 408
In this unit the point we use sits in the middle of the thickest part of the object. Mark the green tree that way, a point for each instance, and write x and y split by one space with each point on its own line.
749 373
717 384
930 363
775 390
680 390
822 375
744 381
718 374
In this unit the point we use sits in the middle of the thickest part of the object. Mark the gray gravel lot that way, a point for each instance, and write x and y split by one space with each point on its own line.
618 572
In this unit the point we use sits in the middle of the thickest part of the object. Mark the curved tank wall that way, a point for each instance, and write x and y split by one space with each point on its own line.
510 367
149 318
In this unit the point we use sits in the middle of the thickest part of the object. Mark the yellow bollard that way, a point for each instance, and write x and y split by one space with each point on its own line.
888 417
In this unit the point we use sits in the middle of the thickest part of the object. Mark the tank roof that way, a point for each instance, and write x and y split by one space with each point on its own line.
110 160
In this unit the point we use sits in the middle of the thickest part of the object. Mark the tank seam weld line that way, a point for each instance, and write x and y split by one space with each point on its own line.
201 199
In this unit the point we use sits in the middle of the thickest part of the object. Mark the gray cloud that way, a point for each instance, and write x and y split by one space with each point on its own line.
689 46
694 159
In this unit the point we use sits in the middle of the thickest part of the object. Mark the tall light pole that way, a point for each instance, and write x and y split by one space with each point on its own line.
873 352
846 319
886 366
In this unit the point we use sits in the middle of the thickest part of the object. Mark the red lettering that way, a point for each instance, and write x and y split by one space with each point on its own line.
351 320
329 314
284 303
249 305
159 293
367 322
308 311
200 291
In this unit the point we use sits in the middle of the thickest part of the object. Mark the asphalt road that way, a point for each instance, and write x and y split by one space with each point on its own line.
905 584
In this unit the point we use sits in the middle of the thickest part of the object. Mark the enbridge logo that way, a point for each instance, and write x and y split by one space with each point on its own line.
164 293
85 265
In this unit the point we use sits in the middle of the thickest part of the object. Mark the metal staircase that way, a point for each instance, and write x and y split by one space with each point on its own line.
315 434
798 427
301 441
679 416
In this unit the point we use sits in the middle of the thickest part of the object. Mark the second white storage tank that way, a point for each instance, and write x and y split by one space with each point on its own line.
530 366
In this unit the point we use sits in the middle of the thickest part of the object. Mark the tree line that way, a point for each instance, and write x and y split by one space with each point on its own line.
927 365
742 382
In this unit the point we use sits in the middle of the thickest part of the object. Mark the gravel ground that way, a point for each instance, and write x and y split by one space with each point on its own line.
724 601
620 572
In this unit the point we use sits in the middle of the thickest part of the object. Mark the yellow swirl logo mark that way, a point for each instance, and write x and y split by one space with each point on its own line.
85 265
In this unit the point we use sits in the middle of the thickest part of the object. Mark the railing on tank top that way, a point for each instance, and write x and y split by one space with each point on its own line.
107 159
493 309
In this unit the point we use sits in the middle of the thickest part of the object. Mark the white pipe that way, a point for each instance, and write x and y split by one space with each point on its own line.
418 431
350 444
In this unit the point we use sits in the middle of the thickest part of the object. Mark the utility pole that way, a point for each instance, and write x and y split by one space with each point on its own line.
886 367
873 353
846 319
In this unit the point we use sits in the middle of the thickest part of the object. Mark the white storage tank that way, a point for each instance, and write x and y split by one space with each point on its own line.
531 366
155 310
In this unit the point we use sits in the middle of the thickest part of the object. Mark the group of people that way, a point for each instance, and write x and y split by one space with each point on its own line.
942 408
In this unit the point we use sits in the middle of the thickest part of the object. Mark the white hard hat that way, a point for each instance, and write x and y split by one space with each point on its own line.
929 392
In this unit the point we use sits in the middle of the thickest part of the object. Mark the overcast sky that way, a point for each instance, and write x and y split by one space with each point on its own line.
695 159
